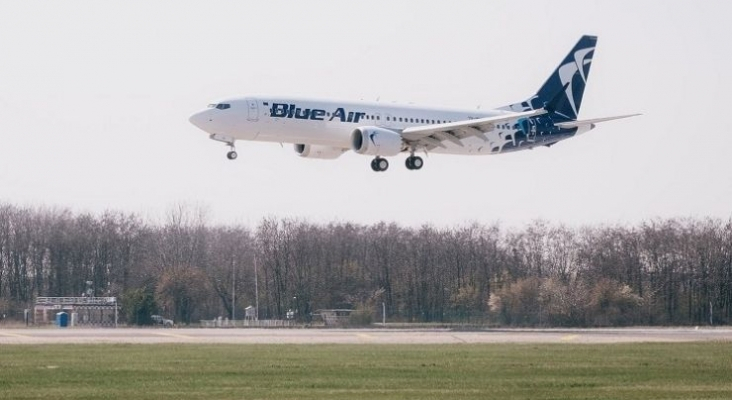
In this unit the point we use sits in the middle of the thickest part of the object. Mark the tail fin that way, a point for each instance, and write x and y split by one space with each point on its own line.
570 77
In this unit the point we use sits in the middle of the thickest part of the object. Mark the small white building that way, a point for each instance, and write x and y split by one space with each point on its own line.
88 311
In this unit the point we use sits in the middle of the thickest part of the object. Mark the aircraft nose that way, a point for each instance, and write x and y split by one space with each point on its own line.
200 119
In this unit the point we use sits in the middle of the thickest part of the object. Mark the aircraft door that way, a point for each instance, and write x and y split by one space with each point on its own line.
252 110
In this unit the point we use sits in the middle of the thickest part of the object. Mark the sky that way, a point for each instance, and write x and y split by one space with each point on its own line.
95 99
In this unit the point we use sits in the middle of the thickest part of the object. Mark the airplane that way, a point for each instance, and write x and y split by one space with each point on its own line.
326 129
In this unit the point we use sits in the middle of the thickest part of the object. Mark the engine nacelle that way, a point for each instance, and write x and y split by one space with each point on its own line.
374 141
316 151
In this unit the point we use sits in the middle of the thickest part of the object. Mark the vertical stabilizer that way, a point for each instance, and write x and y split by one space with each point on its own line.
570 77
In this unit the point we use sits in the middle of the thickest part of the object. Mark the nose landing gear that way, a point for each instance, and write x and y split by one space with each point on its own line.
229 141
231 155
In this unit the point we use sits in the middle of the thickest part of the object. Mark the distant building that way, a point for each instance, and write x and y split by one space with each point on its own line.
87 311
334 317
250 313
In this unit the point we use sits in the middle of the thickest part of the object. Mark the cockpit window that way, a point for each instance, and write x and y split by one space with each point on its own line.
220 106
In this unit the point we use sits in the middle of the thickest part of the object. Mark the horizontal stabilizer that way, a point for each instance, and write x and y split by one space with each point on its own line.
577 124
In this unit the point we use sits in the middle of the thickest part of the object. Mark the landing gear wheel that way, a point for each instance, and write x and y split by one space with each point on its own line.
379 164
231 155
414 162
417 162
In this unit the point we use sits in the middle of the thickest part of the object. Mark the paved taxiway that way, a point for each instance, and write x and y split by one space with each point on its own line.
360 336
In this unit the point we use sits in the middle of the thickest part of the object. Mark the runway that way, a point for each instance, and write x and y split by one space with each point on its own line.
358 336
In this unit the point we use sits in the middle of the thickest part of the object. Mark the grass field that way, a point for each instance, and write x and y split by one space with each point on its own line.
500 371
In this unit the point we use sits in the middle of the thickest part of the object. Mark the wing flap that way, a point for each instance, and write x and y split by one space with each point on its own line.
480 125
449 136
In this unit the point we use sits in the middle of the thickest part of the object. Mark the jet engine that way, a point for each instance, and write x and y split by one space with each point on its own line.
374 141
316 151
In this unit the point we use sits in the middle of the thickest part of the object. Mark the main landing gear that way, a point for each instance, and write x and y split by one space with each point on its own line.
414 162
379 164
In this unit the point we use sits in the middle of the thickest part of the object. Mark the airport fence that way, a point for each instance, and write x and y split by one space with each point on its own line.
247 323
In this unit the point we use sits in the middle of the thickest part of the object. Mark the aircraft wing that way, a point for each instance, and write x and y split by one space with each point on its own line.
431 136
577 124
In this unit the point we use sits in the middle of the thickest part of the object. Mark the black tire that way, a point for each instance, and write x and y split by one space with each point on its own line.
382 164
408 163
374 167
231 155
417 162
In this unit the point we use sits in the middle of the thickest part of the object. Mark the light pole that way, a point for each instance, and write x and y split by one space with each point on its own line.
256 291
233 291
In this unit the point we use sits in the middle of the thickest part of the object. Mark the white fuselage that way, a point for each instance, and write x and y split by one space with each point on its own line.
331 123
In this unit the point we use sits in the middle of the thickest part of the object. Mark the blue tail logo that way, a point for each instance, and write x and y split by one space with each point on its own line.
570 77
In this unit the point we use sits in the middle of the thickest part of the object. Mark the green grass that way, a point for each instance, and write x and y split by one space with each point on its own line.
500 371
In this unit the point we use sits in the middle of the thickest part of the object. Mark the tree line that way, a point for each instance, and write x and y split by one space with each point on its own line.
659 272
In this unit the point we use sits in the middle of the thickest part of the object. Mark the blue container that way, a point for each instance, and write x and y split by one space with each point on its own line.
62 319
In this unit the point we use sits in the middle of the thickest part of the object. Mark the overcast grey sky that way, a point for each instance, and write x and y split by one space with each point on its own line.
95 98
